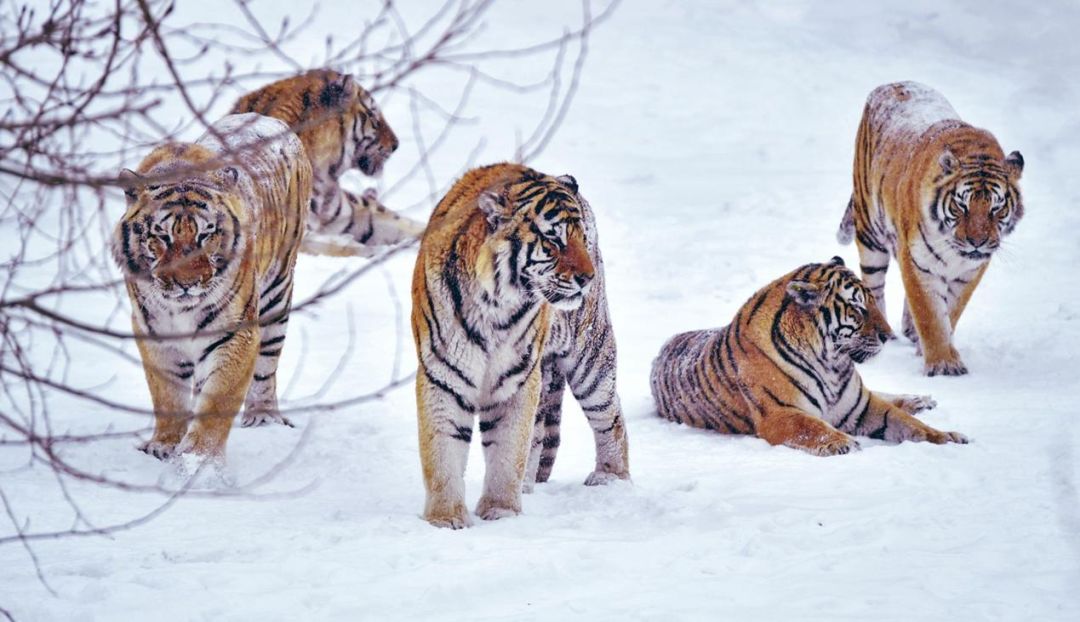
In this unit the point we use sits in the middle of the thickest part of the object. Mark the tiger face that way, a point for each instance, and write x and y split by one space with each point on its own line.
338 121
367 140
173 236
372 139
846 315
982 203
537 224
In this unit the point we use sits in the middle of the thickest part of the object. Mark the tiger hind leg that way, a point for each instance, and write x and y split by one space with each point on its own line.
372 224
545 442
874 265
592 381
261 404
846 232
908 327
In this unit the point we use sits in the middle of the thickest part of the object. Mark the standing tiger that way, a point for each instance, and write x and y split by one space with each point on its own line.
341 128
938 195
508 307
207 246
784 369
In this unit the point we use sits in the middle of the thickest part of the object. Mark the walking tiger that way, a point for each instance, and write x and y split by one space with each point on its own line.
938 195
508 307
208 259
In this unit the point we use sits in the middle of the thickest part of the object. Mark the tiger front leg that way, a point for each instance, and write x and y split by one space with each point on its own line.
261 404
506 434
222 377
445 431
930 317
546 430
592 381
789 426
168 377
884 419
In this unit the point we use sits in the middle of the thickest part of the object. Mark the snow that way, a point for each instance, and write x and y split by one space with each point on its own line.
714 142
919 108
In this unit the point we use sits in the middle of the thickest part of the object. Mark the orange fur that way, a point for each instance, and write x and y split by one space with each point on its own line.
197 248
499 252
783 369
938 195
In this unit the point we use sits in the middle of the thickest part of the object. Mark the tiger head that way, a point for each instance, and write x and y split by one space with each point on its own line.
337 120
176 235
535 233
978 202
841 307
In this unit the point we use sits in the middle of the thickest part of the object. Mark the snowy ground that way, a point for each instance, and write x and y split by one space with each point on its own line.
715 144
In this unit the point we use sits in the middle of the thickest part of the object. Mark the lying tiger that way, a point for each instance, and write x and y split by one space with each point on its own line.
784 369
208 256
938 195
341 128
508 308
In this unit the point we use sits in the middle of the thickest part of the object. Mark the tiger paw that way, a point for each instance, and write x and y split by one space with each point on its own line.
602 478
257 418
950 366
940 438
914 403
158 449
449 518
491 509
837 445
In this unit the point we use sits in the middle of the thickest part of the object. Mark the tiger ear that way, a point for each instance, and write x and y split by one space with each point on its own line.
132 183
568 181
805 294
493 207
1014 164
227 176
336 91
947 161
837 260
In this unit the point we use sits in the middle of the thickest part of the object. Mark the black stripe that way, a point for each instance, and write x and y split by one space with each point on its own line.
462 433
215 345
461 402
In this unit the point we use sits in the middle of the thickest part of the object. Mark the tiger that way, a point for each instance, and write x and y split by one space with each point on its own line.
509 308
207 247
784 369
341 128
939 196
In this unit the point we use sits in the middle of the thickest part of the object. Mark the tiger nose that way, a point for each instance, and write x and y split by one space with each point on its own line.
977 242
394 145
883 336
583 279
